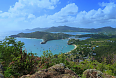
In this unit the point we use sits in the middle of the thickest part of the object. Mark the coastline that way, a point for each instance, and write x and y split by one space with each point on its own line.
26 38
30 38
67 52
71 50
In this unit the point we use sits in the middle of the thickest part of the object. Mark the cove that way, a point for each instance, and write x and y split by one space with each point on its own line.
55 46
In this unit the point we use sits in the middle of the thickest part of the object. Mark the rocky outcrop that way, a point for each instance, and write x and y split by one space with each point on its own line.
59 71
44 42
56 71
93 73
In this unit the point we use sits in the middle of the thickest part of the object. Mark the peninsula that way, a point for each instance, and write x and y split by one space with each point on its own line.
46 36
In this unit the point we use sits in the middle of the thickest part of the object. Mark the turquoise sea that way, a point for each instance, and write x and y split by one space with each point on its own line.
34 46
55 46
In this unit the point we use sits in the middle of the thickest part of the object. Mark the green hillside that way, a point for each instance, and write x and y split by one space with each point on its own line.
107 29
46 36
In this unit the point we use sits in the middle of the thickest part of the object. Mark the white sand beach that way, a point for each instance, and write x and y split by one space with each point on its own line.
71 50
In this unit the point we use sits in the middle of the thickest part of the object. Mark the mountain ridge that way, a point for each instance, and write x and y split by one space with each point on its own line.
75 29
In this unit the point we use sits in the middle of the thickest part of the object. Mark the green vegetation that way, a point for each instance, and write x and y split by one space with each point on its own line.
107 29
94 53
9 49
42 35
98 36
99 46
15 61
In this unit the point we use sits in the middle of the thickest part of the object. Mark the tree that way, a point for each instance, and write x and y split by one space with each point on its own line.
16 62
9 48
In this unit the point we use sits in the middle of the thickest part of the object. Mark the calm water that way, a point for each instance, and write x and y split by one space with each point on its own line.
55 46
74 33
34 46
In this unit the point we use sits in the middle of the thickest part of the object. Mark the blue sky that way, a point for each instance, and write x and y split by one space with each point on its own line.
28 14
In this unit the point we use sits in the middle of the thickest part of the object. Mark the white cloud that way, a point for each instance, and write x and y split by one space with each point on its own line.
92 18
32 4
59 18
31 16
26 7
21 15
100 17
64 13
0 11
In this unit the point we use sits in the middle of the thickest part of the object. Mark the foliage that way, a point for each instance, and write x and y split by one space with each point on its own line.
15 61
103 46
48 59
9 49
21 65
98 36
105 68
107 29
46 36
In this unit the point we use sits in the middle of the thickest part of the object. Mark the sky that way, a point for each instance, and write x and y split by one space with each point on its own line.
28 14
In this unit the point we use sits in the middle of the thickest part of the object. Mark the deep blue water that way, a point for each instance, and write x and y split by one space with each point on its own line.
34 46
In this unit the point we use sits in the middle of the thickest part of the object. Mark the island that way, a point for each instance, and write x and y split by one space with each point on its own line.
46 36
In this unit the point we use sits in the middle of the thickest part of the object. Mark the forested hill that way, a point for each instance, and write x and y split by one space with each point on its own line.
74 29
42 35
66 29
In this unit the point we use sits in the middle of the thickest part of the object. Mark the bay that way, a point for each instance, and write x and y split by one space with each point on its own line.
34 46
74 33
55 46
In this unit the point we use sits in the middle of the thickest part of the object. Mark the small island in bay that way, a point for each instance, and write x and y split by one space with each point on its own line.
46 36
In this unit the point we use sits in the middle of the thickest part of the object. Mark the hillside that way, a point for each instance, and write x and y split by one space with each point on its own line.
74 29
37 29
65 29
104 29
99 62
107 29
42 35
18 63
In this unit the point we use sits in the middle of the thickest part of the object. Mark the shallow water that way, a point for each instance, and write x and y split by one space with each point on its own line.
34 46
55 46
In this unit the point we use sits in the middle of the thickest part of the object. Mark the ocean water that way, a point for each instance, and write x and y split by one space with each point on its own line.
55 46
74 33
9 33
34 46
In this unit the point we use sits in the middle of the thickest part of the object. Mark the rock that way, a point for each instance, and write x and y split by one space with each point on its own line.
93 73
44 42
56 71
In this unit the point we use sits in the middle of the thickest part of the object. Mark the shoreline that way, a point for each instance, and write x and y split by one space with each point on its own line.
75 46
29 38
43 42
71 50
26 38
